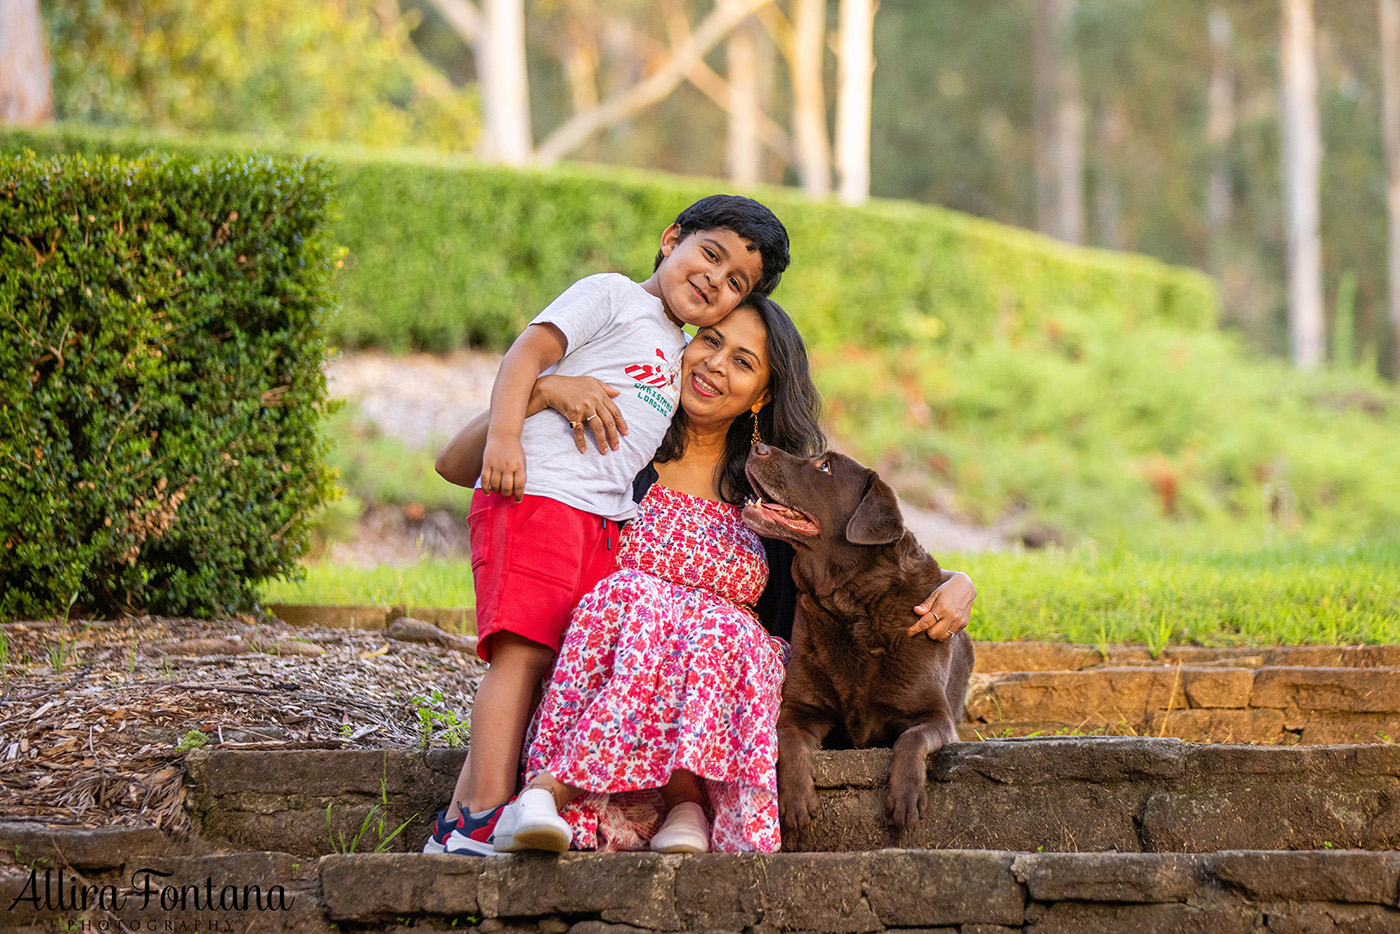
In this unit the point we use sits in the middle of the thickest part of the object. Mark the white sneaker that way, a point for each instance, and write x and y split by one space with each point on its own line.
531 822
685 831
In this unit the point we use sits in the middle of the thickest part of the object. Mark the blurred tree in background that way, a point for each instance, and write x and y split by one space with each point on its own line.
280 69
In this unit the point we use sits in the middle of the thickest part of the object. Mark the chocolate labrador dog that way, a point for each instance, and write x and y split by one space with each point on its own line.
856 677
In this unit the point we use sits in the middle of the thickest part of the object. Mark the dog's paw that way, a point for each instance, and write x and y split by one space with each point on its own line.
798 806
905 803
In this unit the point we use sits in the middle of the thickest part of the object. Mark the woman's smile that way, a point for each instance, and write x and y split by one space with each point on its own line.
703 386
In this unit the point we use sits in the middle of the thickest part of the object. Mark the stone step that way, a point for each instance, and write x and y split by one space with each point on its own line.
948 892
1200 703
1085 794
1069 656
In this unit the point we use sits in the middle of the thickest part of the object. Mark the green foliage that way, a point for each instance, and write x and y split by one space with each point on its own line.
1135 432
377 468
442 253
162 359
282 69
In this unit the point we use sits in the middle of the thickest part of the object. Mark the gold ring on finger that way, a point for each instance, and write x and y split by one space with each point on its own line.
576 425
591 417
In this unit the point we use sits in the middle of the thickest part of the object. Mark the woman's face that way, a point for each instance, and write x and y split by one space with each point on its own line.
724 370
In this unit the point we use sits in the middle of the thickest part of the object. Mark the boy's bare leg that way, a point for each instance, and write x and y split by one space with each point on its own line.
504 703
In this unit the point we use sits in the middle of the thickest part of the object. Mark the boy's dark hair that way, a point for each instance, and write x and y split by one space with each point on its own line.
789 420
750 220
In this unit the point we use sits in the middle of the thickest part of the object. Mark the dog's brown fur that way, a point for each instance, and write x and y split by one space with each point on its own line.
856 676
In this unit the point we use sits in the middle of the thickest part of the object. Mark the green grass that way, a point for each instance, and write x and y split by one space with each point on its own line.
1289 594
429 582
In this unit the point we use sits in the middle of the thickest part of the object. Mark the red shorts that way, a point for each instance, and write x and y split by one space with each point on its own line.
532 562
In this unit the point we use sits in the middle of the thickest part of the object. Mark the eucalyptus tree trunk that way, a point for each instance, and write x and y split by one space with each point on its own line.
743 152
1390 100
26 85
1302 163
1059 123
810 139
1220 130
856 68
505 93
659 81
1111 130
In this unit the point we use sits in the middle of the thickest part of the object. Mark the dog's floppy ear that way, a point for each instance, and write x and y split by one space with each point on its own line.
876 520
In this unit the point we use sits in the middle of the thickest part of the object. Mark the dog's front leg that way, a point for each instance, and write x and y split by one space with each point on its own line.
799 735
907 797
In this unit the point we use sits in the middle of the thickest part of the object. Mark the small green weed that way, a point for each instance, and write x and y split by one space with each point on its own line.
436 723
374 817
194 739
60 654
1159 635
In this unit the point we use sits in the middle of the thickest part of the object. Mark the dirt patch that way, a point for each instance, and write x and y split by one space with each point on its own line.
97 717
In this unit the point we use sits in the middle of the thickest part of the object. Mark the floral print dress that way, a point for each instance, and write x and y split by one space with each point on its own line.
665 666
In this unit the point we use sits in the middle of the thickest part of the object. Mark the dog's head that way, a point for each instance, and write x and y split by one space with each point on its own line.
825 501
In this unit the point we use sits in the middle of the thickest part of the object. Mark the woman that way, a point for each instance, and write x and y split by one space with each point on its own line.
667 685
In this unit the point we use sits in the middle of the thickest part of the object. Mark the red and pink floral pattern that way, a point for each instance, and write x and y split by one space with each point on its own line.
665 667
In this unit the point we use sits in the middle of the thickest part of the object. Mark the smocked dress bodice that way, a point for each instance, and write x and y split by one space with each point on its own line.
695 542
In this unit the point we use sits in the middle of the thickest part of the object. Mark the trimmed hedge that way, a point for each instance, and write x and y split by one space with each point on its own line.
161 352
444 252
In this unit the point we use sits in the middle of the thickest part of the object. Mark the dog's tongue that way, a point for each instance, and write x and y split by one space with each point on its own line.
788 518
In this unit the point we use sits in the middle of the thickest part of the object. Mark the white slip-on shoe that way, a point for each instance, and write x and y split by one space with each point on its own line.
531 822
685 831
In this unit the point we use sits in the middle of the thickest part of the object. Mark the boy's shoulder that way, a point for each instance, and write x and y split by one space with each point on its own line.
606 289
610 281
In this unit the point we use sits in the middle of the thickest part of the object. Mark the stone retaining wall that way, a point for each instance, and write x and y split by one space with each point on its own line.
1073 794
949 892
1199 703
1070 656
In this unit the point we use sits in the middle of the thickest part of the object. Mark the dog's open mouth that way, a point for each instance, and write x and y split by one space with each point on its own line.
763 515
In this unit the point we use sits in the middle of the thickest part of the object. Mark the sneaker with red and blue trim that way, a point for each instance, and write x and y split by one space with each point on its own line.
437 837
471 836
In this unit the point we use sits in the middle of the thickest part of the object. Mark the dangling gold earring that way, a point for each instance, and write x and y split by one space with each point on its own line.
757 438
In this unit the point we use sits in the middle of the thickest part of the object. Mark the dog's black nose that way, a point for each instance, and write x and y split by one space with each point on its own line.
761 449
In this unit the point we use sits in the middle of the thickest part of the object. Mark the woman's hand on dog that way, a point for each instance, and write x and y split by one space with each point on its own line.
588 405
948 609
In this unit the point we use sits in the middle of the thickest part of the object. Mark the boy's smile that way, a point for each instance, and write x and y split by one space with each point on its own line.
705 275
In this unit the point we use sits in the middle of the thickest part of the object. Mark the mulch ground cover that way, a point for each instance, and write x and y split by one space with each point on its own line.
96 717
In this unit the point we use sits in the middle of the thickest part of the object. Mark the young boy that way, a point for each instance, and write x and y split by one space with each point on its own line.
544 523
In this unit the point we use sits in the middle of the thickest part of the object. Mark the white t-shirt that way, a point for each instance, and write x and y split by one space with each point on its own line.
619 333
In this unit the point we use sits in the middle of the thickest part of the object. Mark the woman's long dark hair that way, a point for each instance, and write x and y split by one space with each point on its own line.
789 420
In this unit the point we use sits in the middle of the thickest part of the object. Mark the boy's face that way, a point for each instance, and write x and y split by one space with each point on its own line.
703 277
